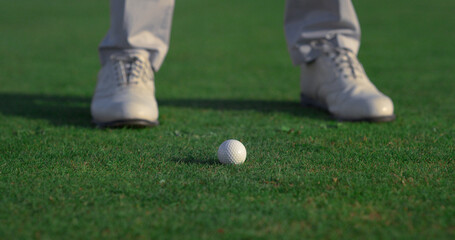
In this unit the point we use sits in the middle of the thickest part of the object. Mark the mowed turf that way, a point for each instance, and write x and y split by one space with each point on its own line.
228 75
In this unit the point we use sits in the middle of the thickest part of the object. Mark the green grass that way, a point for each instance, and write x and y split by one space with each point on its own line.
227 75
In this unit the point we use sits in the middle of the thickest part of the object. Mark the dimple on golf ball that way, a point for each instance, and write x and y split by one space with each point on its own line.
232 152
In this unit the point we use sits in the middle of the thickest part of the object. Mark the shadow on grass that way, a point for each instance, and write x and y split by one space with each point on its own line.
263 106
58 110
196 160
75 110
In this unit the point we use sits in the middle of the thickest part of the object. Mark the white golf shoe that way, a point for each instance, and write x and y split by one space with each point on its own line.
125 92
337 82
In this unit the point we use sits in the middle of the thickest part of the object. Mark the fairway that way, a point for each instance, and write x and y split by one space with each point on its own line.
228 75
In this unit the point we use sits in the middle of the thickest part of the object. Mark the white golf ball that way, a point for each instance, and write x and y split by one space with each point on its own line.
232 152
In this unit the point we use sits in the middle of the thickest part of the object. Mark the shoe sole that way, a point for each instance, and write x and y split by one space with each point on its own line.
130 123
309 102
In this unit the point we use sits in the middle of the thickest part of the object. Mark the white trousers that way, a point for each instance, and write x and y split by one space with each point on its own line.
146 24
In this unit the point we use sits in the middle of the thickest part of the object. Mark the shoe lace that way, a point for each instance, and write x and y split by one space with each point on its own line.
345 60
129 69
346 63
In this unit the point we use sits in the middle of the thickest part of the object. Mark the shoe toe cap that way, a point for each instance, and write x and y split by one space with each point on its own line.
379 107
123 110
365 108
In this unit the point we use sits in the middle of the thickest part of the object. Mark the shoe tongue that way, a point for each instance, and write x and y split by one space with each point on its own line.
123 57
130 55
140 53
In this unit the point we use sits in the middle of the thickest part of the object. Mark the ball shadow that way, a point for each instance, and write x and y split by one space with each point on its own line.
196 160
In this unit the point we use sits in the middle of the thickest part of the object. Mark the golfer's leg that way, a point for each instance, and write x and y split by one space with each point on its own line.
139 24
307 20
323 37
134 48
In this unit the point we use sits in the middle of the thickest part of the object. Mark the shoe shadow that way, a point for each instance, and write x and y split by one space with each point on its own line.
75 110
58 110
264 106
